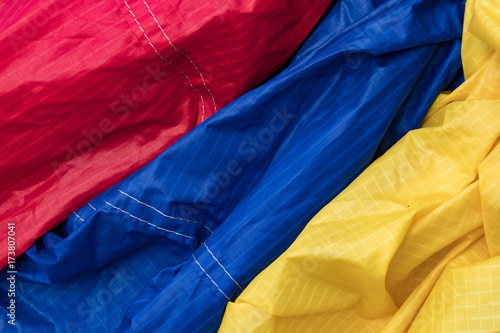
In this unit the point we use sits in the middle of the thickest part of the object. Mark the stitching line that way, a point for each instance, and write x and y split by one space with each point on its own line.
210 278
154 225
223 267
171 217
91 206
184 54
169 62
78 216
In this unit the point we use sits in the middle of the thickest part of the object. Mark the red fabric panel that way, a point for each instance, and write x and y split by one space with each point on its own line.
93 90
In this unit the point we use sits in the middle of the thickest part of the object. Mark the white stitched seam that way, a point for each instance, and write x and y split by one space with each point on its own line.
91 206
171 217
184 54
210 278
223 267
135 217
169 62
78 216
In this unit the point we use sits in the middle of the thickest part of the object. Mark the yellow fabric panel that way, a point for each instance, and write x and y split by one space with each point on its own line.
489 174
465 299
413 244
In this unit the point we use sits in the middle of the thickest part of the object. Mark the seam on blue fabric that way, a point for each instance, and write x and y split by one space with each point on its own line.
163 214
91 206
210 278
154 225
78 216
185 55
223 267
167 61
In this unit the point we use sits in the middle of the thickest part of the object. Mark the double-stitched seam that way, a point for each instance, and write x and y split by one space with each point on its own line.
167 61
185 55
154 225
223 267
163 214
210 278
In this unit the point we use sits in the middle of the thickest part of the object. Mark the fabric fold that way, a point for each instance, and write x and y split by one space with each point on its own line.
412 244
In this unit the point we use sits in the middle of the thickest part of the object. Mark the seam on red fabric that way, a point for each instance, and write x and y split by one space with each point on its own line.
167 61
185 55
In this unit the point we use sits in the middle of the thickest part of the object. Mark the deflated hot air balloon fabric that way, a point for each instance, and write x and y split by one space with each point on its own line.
168 247
93 90
413 244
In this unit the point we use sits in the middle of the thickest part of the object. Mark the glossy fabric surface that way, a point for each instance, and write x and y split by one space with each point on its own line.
413 244
229 197
93 90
